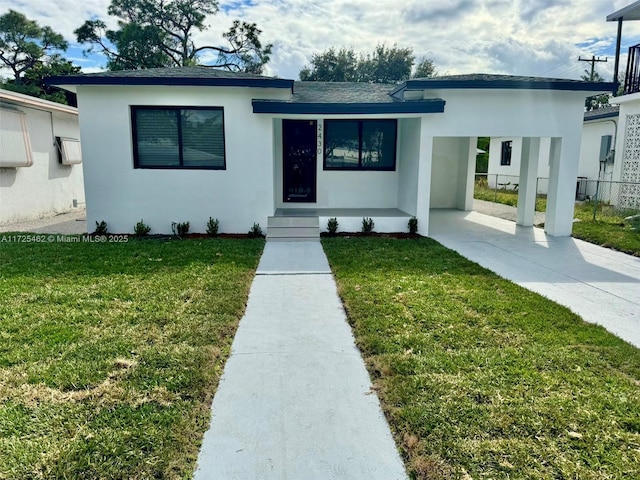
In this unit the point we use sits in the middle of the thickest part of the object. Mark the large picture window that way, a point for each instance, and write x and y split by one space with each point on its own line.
178 137
360 144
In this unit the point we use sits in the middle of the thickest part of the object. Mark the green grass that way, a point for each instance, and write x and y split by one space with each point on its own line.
480 378
608 230
507 197
110 353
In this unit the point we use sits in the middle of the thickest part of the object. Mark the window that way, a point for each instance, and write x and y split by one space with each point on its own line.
360 144
14 137
505 155
174 137
69 151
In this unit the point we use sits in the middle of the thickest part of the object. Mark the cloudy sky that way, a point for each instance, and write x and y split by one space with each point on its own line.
522 37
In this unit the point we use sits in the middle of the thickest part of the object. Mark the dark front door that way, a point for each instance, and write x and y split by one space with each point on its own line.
299 160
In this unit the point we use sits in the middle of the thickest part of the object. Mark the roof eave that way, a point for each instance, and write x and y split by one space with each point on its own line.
276 107
603 87
170 81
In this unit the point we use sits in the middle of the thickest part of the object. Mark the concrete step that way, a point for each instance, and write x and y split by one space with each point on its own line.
292 221
293 231
293 239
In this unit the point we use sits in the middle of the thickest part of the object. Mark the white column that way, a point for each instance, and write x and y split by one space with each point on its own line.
563 173
528 180
466 178
424 181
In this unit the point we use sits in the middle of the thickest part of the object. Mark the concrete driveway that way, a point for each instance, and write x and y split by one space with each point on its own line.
599 284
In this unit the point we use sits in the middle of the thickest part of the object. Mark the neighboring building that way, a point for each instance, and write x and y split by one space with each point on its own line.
596 163
184 144
626 167
40 170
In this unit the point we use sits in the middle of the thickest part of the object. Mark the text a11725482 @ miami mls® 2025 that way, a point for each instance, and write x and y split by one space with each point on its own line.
58 238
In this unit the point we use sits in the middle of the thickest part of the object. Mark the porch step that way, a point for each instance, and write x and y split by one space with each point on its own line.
291 229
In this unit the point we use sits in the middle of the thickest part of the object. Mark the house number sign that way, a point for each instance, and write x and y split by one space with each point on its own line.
319 138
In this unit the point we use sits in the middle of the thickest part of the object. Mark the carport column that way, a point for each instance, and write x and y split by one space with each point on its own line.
467 174
563 172
424 181
528 179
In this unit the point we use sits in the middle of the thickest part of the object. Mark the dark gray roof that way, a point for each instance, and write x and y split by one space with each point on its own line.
611 111
341 92
203 76
491 81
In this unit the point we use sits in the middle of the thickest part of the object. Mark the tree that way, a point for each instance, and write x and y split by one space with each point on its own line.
383 65
32 83
332 66
159 33
24 44
596 101
425 69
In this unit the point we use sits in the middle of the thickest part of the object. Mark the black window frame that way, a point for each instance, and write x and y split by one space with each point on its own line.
505 153
179 109
361 123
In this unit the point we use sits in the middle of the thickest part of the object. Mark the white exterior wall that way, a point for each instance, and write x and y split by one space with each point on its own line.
508 113
589 165
121 195
495 153
340 188
47 187
408 164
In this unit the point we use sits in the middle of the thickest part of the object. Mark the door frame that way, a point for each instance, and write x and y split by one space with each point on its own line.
288 123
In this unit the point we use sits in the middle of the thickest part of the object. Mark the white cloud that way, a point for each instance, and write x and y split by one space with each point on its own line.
519 37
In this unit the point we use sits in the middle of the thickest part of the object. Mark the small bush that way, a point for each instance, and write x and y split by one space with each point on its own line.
332 226
413 225
367 225
256 231
141 229
180 229
101 228
212 227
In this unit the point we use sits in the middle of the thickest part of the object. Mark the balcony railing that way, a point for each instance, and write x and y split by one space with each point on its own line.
632 78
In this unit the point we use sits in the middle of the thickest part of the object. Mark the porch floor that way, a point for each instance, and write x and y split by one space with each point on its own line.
341 212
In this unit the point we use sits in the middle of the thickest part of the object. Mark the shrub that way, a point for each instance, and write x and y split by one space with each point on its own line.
256 231
180 229
367 225
212 227
332 226
101 228
413 225
141 229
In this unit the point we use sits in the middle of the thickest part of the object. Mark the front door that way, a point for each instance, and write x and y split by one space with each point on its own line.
299 160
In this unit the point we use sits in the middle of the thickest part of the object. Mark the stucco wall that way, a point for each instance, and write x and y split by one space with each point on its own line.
449 157
46 188
341 188
409 163
121 195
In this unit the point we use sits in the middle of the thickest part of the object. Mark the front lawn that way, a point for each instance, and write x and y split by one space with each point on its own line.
608 230
110 353
480 378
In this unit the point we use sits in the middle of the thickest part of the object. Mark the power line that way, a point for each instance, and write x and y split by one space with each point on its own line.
593 60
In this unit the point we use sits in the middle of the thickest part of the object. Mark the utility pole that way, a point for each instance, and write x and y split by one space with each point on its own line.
592 61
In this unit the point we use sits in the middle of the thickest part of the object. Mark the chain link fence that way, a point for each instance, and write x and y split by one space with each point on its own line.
608 198
599 198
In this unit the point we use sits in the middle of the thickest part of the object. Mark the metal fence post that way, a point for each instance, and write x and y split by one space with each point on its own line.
595 204
495 191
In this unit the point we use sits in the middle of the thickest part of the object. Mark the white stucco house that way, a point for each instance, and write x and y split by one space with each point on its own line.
599 130
184 144
40 158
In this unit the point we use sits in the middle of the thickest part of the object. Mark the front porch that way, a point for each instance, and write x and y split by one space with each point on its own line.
305 224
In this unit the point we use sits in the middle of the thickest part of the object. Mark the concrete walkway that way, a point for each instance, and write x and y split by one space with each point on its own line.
599 284
295 399
70 223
